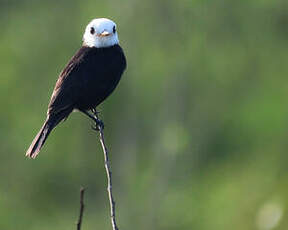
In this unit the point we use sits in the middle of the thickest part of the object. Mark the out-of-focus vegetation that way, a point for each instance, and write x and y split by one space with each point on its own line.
197 129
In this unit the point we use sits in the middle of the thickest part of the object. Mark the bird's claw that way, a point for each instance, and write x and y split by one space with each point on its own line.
95 112
99 125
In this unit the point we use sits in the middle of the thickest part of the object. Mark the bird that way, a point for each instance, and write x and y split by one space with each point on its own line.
87 80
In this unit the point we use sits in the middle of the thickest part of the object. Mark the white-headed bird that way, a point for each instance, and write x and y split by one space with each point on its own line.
87 80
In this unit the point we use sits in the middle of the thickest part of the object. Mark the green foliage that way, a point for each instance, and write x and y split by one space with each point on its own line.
197 129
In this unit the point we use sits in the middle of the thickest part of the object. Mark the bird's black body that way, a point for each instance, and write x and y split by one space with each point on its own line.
87 80
89 77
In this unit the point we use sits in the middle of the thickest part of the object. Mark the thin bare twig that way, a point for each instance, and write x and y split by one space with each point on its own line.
99 127
82 190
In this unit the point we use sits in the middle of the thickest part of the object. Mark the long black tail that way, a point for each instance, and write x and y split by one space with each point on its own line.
40 138
42 135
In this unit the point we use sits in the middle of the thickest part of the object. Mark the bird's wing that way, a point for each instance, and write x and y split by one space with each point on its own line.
67 85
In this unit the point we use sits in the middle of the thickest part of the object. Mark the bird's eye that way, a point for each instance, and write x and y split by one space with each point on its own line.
92 30
114 29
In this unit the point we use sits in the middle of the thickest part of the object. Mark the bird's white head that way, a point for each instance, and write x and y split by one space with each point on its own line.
100 32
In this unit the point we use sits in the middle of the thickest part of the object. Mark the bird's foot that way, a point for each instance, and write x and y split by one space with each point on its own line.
99 125
95 112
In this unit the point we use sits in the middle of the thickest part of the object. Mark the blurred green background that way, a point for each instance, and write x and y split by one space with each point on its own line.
197 129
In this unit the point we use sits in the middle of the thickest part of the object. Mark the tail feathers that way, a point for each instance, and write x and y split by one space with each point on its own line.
40 139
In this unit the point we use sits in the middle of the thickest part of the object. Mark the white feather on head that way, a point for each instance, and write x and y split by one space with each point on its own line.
100 33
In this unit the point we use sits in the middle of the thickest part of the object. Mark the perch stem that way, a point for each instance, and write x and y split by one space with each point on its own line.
82 190
108 172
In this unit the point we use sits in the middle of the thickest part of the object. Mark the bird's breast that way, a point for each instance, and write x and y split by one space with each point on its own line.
101 75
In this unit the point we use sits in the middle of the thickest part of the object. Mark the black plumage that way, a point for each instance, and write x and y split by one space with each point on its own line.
87 80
